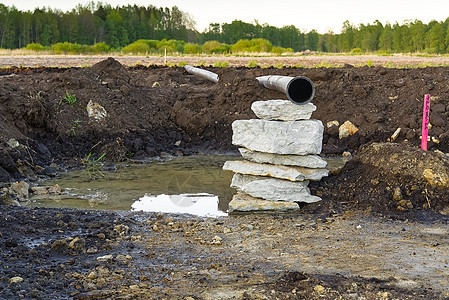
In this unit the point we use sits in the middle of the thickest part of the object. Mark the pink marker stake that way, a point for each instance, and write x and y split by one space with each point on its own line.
425 122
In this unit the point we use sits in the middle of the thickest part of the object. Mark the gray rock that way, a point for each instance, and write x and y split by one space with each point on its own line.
308 161
244 203
20 190
275 171
272 189
295 137
282 110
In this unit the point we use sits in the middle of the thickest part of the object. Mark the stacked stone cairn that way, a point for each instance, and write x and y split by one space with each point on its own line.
281 155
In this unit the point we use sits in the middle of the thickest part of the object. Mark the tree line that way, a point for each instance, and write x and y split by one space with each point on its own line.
114 28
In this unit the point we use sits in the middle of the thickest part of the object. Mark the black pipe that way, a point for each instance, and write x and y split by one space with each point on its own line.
300 90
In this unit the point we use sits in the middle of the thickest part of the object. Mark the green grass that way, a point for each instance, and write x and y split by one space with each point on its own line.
70 99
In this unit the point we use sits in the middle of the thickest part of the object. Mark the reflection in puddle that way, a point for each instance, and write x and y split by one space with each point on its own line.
196 204
199 174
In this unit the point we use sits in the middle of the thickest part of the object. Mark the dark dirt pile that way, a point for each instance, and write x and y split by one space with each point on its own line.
151 110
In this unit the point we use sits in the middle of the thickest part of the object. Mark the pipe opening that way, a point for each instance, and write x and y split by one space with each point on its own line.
300 90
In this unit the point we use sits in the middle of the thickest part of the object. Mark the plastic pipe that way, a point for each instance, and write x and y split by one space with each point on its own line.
300 90
202 73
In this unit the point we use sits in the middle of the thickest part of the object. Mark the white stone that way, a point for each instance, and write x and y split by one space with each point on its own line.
308 161
272 189
246 203
294 137
347 129
282 110
16 279
96 111
276 171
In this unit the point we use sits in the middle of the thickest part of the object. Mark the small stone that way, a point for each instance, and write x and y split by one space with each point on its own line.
319 289
92 250
55 189
121 259
20 189
92 275
437 179
108 257
397 194
13 143
332 123
16 279
59 244
347 129
77 243
96 111
403 203
346 154
155 228
216 240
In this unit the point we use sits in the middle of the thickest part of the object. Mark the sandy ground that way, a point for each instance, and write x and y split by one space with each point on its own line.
398 60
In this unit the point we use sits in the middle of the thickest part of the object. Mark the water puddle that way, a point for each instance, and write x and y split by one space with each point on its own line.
192 184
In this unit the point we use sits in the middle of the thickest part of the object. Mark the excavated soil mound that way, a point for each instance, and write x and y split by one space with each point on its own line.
391 178
151 110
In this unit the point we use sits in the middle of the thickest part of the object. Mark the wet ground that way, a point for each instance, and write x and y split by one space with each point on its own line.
359 241
67 254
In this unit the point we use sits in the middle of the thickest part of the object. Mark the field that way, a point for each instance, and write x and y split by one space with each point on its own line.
380 232
8 59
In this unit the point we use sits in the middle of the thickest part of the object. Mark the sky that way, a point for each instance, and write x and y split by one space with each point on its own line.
321 15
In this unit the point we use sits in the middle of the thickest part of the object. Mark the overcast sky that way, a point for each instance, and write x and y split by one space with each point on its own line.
322 15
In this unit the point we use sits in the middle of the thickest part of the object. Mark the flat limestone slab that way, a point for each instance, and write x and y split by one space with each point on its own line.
273 189
294 137
307 161
275 171
282 110
245 204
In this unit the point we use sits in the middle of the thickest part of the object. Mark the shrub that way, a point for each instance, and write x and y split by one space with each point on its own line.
356 51
280 50
215 47
171 46
252 46
35 47
138 47
190 48
100 48
69 48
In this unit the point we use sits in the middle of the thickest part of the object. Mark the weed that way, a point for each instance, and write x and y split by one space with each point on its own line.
37 96
369 63
70 99
220 64
92 165
74 126
252 64
279 66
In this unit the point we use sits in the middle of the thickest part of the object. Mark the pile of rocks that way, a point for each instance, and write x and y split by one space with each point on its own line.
280 152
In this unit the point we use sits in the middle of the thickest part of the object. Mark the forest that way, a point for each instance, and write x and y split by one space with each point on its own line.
99 27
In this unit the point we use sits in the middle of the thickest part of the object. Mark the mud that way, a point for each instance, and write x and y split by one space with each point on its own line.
336 248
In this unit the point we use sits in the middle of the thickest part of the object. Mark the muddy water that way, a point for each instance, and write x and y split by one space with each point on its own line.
193 184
